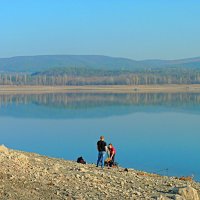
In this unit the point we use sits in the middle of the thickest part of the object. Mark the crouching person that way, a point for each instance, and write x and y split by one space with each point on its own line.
112 153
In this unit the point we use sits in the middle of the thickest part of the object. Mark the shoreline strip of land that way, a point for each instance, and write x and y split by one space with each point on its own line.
32 176
30 89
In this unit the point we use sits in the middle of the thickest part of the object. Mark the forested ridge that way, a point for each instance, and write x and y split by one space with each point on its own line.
96 70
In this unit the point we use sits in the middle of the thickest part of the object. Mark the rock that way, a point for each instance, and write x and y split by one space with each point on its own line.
37 159
122 183
188 193
126 170
178 197
83 170
161 197
136 193
3 149
21 160
77 176
56 167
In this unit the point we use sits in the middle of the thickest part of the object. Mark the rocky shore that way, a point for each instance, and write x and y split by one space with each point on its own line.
31 176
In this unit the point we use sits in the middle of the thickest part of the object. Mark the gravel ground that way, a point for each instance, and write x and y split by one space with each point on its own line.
32 176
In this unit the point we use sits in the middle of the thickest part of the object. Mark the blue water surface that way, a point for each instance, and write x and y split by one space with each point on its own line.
160 135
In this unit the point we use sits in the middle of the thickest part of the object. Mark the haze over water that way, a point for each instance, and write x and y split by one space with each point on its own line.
151 132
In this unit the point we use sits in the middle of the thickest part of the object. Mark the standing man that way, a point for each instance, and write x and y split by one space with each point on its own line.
102 148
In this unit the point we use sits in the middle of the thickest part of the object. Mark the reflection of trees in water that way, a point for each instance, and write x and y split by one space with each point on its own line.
82 100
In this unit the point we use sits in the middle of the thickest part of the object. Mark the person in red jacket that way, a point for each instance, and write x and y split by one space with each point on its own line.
112 152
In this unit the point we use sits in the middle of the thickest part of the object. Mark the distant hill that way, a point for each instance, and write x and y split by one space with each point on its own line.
185 63
40 63
34 64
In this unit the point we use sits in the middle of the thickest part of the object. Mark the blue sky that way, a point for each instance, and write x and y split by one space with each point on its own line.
137 29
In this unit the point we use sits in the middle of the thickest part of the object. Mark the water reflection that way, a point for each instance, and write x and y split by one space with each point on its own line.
91 102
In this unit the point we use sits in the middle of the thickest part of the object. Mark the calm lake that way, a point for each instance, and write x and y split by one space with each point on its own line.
152 132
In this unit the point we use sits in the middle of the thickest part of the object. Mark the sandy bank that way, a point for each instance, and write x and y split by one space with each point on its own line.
31 176
100 89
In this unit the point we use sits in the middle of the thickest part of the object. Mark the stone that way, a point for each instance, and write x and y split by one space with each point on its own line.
188 193
136 193
161 197
178 197
77 176
122 183
37 159
83 170
3 149
56 167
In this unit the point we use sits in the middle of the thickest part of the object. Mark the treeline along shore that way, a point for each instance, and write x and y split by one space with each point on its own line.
86 76
26 175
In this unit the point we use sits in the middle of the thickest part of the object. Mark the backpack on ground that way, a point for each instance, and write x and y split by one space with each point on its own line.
81 160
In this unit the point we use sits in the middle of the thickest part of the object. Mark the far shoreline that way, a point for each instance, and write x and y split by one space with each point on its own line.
30 89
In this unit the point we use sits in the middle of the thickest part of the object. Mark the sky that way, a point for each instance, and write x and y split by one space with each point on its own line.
136 29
